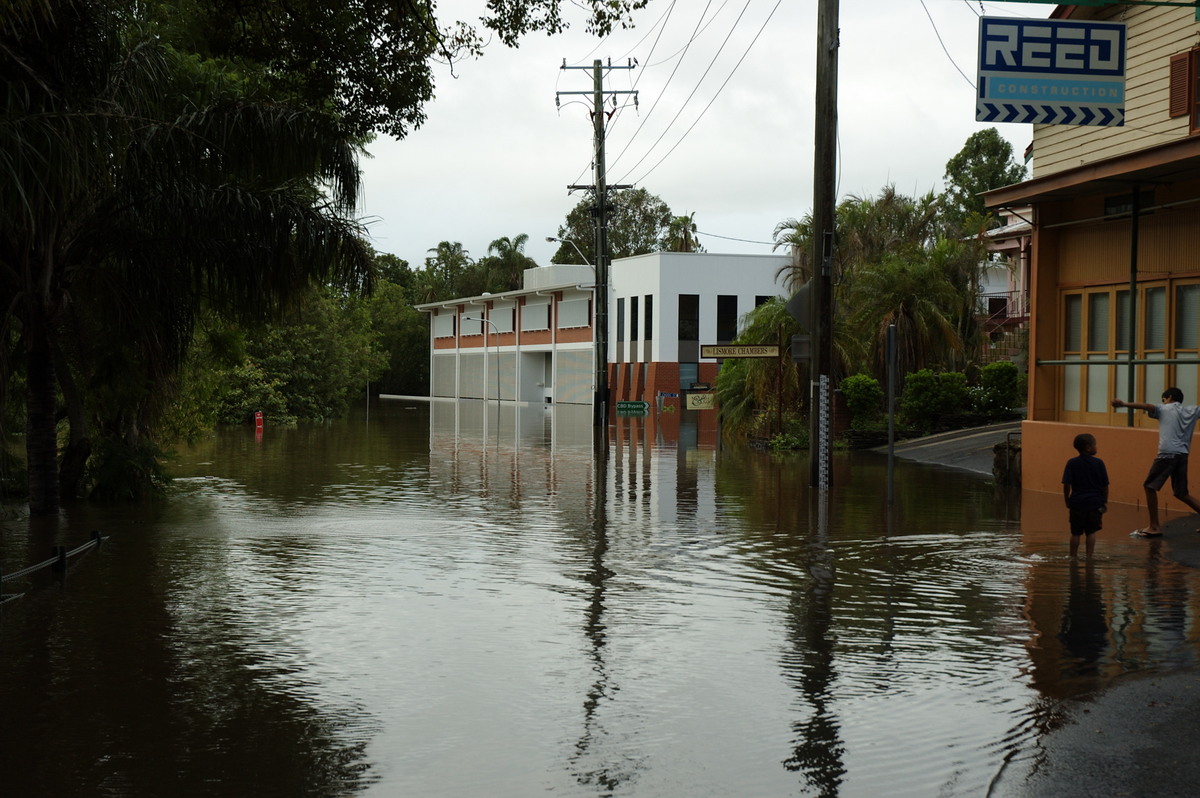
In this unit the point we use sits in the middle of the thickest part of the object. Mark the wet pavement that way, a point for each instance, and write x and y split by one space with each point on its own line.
1137 738
966 449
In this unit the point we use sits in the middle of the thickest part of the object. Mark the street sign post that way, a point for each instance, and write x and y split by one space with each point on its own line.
633 408
738 350
1051 72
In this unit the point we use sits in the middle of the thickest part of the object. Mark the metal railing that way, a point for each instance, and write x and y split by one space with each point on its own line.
60 556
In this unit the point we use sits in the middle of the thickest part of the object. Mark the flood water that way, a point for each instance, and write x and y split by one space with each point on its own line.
454 600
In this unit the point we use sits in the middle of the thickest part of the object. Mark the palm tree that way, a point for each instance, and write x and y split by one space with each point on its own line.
448 273
510 261
796 235
136 187
681 234
747 386
915 294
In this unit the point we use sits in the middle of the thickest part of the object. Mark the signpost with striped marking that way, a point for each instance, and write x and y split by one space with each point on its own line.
1051 72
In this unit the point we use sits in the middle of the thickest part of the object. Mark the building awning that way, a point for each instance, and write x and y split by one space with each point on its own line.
1175 162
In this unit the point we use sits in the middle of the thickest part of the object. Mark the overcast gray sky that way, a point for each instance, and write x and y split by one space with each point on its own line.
723 128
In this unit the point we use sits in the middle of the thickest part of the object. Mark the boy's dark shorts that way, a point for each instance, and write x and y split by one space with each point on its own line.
1174 466
1085 522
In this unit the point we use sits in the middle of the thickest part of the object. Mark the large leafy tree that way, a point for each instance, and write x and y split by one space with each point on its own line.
891 263
913 291
368 61
638 224
985 162
137 185
165 156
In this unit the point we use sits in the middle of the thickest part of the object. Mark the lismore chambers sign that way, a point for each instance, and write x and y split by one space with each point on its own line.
1051 72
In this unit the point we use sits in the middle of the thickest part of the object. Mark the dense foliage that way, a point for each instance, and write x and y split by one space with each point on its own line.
908 263
638 223
168 162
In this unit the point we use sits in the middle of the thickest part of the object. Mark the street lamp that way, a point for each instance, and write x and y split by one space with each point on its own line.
601 315
583 257
496 331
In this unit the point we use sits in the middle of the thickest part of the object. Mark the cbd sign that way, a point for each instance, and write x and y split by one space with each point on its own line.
1051 72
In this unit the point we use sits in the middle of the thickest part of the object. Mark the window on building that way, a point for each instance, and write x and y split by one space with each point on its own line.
443 326
620 318
1072 349
501 315
761 300
726 319
1187 335
535 316
1099 348
649 310
573 313
688 374
470 324
633 318
1183 96
1096 327
689 317
1122 204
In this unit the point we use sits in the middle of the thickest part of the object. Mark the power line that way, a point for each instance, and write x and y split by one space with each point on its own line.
695 89
718 94
663 91
943 44
743 240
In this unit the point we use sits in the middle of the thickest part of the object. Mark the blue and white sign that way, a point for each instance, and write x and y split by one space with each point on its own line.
1051 72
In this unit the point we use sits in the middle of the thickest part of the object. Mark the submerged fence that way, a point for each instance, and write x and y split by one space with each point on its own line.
58 561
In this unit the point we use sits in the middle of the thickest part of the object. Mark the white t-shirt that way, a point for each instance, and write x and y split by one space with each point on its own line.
1175 424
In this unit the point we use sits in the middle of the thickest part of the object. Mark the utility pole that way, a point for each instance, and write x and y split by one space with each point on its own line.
824 209
600 214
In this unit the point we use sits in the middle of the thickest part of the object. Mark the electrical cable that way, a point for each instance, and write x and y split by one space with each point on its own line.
938 34
718 93
695 89
663 92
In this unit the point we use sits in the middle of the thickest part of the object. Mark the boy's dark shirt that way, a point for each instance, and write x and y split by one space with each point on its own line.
1088 478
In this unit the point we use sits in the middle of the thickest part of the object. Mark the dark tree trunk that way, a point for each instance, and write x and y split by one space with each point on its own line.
41 437
79 446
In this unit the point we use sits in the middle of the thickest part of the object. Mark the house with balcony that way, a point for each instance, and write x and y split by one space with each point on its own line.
1114 281
1003 286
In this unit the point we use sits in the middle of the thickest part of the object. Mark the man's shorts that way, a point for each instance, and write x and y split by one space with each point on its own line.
1084 522
1174 466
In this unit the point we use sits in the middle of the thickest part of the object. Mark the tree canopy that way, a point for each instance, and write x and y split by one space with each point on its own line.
985 162
638 223
168 159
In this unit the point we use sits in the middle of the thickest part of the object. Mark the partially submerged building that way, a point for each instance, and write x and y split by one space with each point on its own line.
538 344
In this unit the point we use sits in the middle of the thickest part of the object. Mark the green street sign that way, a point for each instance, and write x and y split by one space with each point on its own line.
633 408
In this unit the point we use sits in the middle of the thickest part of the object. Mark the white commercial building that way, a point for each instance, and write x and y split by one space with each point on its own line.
538 344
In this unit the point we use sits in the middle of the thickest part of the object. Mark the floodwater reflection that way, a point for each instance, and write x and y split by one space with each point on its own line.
459 599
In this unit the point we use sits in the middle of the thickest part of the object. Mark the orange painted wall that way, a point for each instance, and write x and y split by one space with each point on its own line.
1126 451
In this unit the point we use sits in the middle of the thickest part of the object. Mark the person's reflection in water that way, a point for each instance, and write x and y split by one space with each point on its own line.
1084 628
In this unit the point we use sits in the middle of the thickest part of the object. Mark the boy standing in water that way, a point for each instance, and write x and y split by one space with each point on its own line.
1176 422
1085 490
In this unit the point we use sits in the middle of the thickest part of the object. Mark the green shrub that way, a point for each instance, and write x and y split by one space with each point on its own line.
999 388
864 398
928 397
